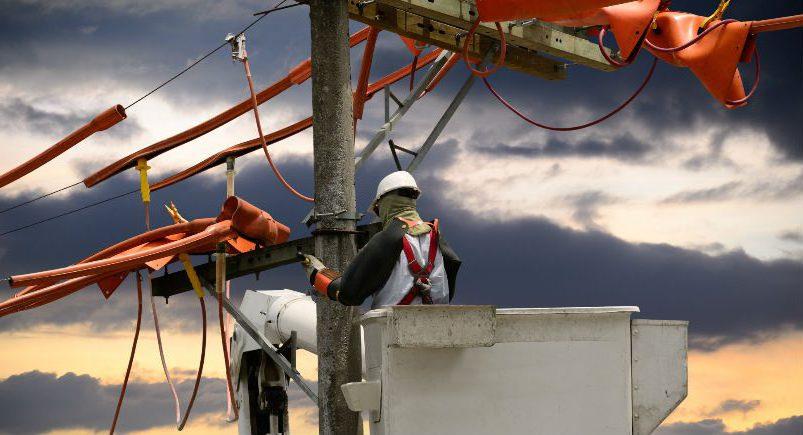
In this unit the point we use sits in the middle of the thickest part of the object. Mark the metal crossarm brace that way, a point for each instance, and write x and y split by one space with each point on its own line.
250 263
445 118
383 132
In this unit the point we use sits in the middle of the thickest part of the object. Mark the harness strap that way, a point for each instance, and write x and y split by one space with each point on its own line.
419 272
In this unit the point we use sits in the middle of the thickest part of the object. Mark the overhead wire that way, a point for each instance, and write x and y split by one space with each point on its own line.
131 357
756 82
576 127
200 366
40 197
67 213
262 15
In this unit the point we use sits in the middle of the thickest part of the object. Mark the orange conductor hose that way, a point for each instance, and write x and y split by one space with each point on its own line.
200 366
131 357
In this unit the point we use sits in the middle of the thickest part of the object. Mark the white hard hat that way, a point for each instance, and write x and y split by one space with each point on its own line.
394 181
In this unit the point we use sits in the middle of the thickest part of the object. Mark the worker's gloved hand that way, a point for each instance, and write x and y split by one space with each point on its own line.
312 265
320 276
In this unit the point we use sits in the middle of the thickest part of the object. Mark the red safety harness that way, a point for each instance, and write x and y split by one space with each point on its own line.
421 285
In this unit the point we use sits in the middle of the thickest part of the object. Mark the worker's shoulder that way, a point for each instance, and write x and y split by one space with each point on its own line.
393 231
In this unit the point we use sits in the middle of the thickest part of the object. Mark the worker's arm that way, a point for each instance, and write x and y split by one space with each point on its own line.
451 263
367 273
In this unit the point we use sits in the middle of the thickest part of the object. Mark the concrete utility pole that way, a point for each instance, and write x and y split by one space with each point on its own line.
335 208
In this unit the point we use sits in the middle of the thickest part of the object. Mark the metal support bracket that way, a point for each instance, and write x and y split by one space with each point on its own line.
446 117
342 215
237 42
382 134
393 148
253 331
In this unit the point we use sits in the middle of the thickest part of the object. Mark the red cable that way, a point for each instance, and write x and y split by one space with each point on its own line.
756 81
577 127
131 357
600 41
502 52
630 59
226 354
200 367
262 136
690 43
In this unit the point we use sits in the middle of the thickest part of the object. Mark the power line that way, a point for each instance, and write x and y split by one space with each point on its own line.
40 197
262 15
68 212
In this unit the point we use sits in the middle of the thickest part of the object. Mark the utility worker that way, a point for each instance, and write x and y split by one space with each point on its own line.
407 263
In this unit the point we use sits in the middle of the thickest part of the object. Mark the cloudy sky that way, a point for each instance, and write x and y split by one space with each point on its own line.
676 205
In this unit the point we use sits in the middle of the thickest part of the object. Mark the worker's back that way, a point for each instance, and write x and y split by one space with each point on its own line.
404 286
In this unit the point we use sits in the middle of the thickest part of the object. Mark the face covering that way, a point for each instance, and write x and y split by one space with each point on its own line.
394 206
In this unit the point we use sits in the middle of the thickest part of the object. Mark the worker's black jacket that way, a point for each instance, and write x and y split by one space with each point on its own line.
373 265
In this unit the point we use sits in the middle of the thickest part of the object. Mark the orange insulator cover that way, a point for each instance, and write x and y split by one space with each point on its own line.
713 59
171 232
547 10
106 119
628 22
365 72
233 151
48 294
253 223
154 249
130 260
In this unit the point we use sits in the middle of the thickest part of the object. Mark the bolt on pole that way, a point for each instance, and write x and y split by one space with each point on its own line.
333 147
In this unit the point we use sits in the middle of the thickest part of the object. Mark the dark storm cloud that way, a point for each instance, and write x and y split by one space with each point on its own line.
16 114
785 426
792 236
760 190
624 147
714 156
735 405
778 190
718 193
36 402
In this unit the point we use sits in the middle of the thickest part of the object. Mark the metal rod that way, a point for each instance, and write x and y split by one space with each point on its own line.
386 128
263 342
445 118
